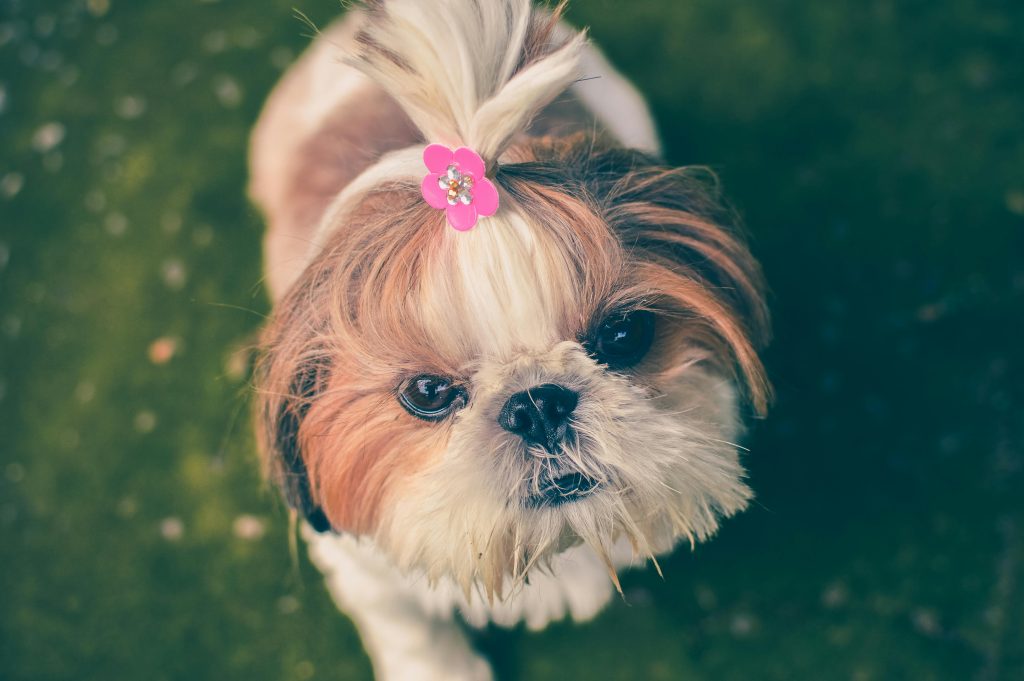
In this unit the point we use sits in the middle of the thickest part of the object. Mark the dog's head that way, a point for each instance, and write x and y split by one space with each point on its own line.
568 371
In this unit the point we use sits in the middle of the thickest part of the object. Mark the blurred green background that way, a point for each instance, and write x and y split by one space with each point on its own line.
875 149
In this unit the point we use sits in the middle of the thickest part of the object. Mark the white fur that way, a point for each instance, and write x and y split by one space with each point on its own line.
445 545
314 87
403 637
616 103
456 78
409 629
670 478
584 69
405 616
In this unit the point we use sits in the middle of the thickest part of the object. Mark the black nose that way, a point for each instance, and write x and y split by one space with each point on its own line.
539 415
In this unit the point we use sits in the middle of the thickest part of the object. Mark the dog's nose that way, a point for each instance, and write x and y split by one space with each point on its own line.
539 415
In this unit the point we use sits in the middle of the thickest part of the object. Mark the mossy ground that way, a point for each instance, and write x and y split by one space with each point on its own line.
876 151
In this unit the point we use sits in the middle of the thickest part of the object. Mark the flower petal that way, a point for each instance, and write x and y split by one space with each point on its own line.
485 197
437 157
470 162
462 217
433 194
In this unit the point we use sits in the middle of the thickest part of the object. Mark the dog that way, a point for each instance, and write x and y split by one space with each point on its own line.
510 348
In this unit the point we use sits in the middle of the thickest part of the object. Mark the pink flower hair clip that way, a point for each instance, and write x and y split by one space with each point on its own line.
456 184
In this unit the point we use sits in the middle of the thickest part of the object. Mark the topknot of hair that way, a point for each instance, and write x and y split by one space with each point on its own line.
468 72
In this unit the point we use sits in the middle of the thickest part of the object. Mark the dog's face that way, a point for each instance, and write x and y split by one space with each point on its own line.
565 372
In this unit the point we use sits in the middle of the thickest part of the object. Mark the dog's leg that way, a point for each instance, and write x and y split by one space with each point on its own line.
404 640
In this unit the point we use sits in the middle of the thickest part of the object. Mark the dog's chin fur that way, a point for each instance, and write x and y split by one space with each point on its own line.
586 229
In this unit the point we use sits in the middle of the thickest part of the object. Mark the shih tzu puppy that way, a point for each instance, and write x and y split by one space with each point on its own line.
510 348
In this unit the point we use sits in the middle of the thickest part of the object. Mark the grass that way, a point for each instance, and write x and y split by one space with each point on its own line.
875 150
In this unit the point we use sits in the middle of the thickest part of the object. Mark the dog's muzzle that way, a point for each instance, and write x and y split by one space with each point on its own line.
541 417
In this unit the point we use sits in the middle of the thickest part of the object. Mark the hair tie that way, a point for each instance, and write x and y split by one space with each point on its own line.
457 185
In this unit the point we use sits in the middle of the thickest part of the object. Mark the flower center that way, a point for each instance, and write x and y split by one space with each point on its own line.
459 187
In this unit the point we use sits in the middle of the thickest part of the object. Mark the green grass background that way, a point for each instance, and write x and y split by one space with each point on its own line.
875 149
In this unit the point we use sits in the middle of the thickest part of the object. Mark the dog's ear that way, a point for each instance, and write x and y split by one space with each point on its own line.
677 232
281 419
683 235
292 475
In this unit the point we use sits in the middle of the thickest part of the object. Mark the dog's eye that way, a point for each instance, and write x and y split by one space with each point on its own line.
430 397
623 339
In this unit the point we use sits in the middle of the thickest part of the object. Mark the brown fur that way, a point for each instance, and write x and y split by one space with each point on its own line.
631 234
348 143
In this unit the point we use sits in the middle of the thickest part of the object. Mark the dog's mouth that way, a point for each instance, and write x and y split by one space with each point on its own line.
563 489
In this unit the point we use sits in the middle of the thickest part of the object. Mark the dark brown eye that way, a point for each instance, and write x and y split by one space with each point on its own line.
623 338
430 397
